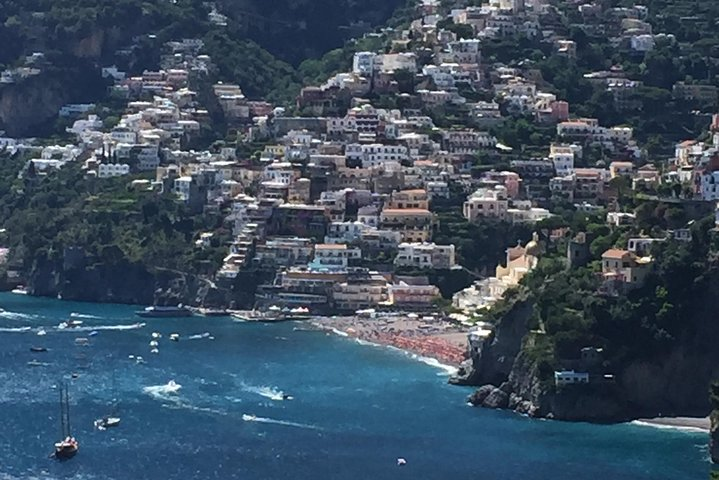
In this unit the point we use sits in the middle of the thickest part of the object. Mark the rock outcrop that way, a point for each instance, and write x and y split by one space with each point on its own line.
714 437
674 384
130 283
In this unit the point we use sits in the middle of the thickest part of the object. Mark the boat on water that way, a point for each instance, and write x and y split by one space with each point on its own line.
260 316
164 312
213 312
19 290
72 323
38 349
112 419
41 332
69 446
107 422
175 337
249 418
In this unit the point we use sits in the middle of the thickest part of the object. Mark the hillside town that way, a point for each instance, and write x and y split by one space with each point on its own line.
341 195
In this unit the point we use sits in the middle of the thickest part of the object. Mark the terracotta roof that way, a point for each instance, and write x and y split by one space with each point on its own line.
406 211
615 253
330 246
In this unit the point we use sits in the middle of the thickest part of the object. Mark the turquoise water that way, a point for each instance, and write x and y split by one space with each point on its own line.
355 410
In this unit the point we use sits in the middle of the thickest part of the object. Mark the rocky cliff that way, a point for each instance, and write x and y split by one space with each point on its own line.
131 283
26 107
672 384
491 360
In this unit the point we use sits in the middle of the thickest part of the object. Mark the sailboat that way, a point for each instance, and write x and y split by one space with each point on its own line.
68 447
111 420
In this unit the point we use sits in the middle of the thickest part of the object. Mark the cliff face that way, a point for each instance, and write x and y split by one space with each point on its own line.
125 283
491 360
30 103
673 384
714 437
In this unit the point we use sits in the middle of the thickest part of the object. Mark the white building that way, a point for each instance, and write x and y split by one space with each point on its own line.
642 43
425 255
437 189
182 188
106 170
486 203
709 185
363 63
330 255
376 154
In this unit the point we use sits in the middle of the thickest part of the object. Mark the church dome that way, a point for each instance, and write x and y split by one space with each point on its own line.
533 247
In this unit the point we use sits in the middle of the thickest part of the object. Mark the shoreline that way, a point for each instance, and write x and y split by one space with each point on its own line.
689 424
438 343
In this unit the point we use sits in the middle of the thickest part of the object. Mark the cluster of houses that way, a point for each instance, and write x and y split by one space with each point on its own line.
339 197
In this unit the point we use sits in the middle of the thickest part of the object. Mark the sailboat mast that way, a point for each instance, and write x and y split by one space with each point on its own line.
62 412
67 411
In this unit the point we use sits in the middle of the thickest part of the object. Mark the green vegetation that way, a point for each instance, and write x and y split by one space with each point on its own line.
645 323
73 33
109 222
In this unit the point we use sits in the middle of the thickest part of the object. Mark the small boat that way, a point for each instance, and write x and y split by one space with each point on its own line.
175 337
41 332
155 350
401 462
69 446
38 349
165 312
82 342
70 324
112 419
154 343
94 333
107 422
139 360
156 335
249 418
261 316
19 290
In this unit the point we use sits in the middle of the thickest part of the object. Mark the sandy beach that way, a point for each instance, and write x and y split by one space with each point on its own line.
438 339
698 423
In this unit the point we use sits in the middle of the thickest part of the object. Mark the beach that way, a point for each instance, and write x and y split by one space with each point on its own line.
694 423
428 337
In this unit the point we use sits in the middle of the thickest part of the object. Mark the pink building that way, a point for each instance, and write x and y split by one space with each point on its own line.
560 111
509 180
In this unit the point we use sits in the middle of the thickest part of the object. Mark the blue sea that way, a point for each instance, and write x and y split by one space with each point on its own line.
355 409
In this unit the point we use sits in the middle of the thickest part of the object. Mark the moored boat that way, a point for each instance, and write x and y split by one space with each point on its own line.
69 446
164 312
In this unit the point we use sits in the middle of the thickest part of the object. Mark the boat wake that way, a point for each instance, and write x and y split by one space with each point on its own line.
134 326
84 315
253 418
16 315
167 392
268 392
16 330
